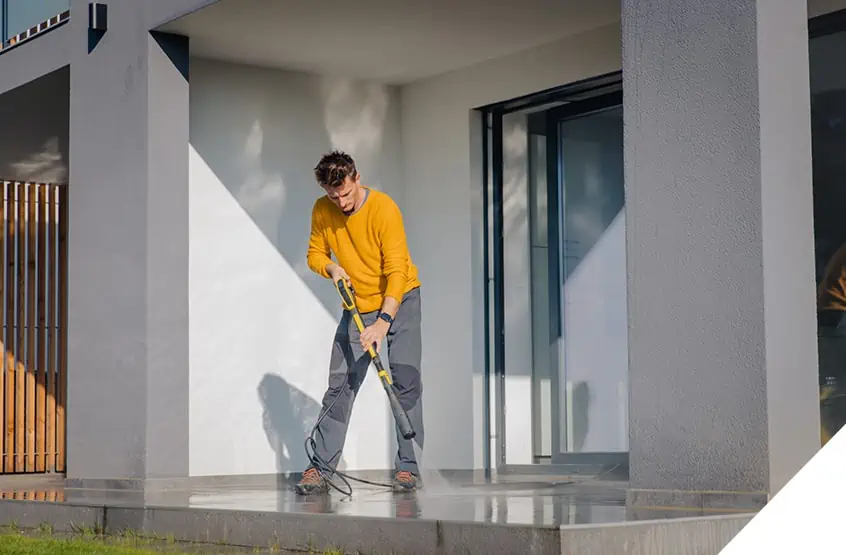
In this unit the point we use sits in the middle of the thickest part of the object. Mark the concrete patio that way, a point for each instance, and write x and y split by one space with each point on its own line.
515 514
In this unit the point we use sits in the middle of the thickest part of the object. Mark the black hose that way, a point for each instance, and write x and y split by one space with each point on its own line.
324 469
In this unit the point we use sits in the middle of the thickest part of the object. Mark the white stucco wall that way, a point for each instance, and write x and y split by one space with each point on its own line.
442 160
261 323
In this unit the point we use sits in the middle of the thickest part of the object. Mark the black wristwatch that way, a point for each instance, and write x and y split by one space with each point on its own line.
386 317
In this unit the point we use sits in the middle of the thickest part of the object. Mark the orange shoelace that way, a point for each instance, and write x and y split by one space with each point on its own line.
311 476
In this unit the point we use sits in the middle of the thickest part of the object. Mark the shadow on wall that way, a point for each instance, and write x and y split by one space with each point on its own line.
581 421
261 132
264 131
34 130
288 415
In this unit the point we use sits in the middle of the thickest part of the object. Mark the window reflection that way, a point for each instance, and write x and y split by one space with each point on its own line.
828 117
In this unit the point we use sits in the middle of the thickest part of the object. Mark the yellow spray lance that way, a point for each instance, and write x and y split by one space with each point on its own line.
403 423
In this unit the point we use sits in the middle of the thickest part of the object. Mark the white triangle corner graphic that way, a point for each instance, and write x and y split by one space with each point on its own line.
806 516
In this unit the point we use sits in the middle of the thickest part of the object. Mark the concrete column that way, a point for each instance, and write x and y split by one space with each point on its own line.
722 329
128 250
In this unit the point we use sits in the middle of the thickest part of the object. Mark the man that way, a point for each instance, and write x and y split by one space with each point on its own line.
364 229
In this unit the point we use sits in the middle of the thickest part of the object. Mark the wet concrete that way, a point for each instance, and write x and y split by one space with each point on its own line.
541 515
526 500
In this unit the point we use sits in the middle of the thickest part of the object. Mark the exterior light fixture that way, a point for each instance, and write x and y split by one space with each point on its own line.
98 17
98 23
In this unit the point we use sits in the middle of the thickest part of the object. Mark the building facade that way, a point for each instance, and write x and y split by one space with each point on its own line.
625 217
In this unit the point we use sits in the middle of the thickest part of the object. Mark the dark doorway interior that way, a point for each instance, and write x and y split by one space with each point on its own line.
828 131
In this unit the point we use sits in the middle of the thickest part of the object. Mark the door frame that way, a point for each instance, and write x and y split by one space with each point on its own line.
574 100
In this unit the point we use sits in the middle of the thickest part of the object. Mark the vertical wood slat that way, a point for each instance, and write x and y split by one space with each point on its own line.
20 337
41 319
31 370
62 276
33 334
52 351
9 261
3 228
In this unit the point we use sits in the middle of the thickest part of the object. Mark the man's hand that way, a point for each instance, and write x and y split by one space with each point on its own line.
374 333
336 272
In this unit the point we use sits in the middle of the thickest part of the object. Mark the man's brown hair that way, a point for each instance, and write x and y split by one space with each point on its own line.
334 168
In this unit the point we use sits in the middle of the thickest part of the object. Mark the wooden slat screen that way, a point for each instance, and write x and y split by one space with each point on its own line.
33 311
35 495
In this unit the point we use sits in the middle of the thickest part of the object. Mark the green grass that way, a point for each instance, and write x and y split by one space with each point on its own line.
89 542
23 545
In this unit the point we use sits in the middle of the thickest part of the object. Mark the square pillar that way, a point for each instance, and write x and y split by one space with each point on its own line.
722 326
128 251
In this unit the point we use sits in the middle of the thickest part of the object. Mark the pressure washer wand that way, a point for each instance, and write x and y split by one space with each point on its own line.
403 423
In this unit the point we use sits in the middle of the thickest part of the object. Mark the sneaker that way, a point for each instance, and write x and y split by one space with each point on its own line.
404 481
311 482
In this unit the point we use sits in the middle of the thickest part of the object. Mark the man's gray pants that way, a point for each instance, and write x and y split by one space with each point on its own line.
348 367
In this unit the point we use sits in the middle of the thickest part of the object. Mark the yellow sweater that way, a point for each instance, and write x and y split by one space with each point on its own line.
370 245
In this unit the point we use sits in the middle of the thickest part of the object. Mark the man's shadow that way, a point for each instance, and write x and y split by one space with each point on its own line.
288 415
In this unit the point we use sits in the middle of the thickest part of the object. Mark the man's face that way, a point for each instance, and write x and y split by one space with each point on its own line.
344 195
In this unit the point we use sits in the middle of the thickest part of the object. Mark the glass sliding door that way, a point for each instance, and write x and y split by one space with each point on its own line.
542 368
589 273
525 384
557 320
